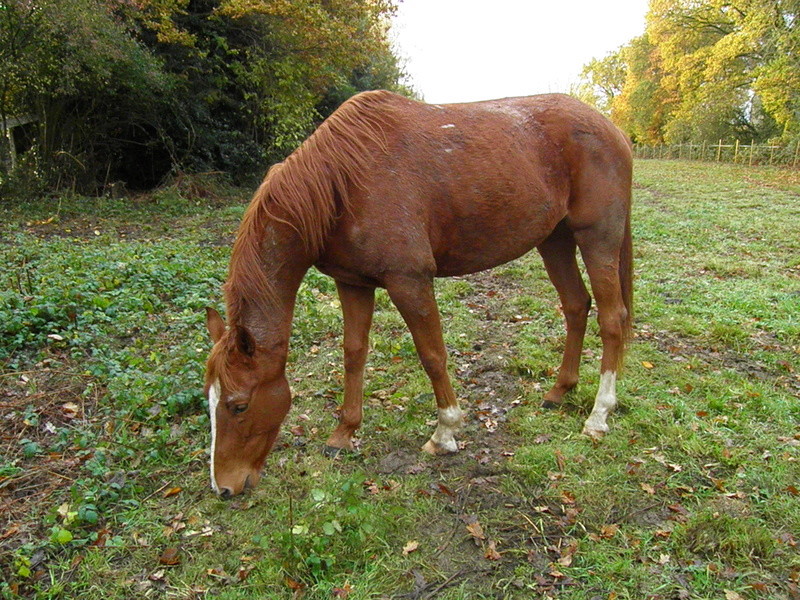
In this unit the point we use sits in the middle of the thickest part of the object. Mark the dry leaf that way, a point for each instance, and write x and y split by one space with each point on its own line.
173 491
491 551
342 592
294 585
647 365
410 547
663 559
731 595
476 531
70 409
170 556
609 531
648 488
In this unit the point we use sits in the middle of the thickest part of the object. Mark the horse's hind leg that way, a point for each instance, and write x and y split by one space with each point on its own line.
414 298
558 254
600 248
358 304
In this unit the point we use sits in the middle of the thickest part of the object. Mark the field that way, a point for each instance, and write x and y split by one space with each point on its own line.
694 493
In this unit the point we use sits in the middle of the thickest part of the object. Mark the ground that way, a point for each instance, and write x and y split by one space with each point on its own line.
693 494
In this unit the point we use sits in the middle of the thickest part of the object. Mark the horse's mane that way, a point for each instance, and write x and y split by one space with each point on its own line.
306 192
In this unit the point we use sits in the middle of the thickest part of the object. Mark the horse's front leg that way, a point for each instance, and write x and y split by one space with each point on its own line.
358 304
416 302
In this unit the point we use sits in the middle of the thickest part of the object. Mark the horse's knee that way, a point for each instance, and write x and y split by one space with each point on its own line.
435 364
576 313
355 356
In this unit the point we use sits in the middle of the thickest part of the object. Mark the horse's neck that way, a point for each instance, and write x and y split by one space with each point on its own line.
270 324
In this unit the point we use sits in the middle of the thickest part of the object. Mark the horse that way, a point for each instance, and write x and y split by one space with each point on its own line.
391 192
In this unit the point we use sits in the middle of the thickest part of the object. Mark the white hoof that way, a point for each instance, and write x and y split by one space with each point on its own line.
437 449
594 432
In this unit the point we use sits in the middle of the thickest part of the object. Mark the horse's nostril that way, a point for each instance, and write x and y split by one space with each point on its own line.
247 483
226 493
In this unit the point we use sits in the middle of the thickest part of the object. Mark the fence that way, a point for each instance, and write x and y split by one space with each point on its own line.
752 154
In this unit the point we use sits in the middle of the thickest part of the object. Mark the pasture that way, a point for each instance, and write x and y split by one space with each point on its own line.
693 493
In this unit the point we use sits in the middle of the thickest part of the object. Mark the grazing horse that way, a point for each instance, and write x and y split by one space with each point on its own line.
389 192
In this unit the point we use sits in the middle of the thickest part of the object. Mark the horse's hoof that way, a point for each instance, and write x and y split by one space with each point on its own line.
435 449
332 452
595 434
550 405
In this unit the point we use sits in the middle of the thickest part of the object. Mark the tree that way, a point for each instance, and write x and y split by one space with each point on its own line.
707 69
133 90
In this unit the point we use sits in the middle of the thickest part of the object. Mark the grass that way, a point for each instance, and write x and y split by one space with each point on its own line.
693 494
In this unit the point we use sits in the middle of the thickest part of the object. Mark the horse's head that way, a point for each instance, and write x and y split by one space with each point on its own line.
248 398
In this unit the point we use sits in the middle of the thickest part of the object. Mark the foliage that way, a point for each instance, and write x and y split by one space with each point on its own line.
705 71
131 91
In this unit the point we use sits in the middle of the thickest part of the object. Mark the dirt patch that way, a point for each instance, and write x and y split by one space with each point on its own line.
680 348
35 405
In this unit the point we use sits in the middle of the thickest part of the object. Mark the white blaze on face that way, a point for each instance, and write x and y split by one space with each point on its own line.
604 403
213 401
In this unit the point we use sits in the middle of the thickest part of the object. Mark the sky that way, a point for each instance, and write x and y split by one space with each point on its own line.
465 50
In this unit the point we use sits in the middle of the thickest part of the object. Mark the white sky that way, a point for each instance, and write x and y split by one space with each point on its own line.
464 50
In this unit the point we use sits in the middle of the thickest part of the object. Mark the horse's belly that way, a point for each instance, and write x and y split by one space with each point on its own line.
467 244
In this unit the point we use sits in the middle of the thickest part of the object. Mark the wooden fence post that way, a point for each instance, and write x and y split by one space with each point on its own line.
796 153
719 151
736 152
752 145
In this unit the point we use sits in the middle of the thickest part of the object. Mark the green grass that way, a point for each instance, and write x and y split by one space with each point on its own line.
103 470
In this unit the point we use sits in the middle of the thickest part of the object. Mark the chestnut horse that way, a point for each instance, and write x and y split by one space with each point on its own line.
390 192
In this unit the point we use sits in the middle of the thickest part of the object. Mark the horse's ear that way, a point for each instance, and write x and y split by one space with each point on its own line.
215 324
245 341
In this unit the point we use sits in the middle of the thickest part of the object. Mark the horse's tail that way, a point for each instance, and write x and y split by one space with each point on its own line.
626 281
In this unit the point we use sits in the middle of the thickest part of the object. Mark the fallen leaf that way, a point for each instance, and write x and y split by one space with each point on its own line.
170 556
217 572
10 531
647 365
491 551
173 491
342 592
609 531
70 409
444 489
294 585
731 595
476 531
663 559
410 547
648 488
792 490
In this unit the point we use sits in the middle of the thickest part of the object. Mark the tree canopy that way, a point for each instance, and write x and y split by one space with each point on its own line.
129 90
705 70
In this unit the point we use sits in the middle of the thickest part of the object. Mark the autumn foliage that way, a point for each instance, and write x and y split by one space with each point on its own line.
133 90
705 70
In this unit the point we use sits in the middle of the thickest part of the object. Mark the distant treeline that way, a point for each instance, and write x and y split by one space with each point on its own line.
705 70
130 91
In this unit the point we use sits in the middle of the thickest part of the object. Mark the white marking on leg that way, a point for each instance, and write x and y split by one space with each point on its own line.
449 423
213 401
604 403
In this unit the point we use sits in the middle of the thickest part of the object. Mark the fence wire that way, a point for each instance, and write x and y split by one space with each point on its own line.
752 154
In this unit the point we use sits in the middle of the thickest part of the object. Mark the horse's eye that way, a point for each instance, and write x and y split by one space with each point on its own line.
238 409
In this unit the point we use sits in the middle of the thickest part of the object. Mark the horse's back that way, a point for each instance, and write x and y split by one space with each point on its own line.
464 187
